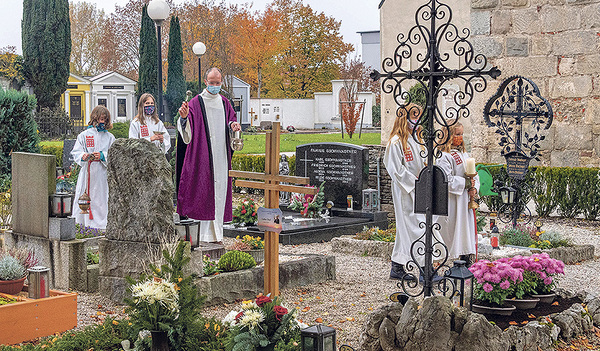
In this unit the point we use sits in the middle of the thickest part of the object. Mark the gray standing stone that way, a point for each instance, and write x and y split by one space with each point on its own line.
140 193
483 4
573 321
427 328
477 325
530 337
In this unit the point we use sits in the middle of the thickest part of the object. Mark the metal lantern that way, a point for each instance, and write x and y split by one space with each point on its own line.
507 194
463 283
370 199
189 230
237 143
39 282
84 202
318 338
61 204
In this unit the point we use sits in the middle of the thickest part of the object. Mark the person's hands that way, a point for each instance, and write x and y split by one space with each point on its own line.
85 157
158 137
236 127
184 109
96 155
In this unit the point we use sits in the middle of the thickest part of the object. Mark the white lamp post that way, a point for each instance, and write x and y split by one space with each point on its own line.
199 49
158 11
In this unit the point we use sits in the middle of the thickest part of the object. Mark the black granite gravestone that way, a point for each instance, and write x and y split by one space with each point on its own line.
343 167
67 159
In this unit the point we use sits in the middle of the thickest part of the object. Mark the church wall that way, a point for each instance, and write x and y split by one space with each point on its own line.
556 43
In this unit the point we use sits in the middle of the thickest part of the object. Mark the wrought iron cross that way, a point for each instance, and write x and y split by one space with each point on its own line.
433 73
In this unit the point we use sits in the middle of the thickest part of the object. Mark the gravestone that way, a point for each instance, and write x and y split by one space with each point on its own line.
33 181
67 158
343 167
140 213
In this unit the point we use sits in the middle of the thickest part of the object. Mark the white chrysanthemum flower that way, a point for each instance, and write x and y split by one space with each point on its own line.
251 318
302 325
152 291
248 305
230 318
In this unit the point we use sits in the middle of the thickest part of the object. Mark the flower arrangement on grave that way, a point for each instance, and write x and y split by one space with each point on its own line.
291 128
245 213
309 205
83 232
549 239
260 325
374 233
247 243
166 300
539 270
494 281
528 284
209 267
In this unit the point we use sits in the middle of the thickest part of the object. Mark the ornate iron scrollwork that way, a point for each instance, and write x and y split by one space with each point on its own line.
448 59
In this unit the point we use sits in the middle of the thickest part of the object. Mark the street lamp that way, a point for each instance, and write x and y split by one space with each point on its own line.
199 49
158 11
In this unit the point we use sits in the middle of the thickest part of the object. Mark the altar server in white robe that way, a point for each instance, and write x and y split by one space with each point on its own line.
458 229
91 153
403 161
147 125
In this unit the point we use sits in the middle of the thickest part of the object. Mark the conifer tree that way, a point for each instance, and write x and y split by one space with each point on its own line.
46 40
148 71
176 84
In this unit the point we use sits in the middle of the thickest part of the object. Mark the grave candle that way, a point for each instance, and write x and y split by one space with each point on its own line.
470 166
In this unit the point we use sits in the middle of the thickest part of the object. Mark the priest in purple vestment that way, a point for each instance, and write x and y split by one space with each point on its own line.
204 186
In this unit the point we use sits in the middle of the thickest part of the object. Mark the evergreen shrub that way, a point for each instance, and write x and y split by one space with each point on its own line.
236 260
18 130
120 130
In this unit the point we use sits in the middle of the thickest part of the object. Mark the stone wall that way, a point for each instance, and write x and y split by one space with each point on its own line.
555 43
376 153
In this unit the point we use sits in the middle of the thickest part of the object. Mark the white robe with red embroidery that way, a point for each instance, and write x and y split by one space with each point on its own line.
458 228
404 167
145 131
89 141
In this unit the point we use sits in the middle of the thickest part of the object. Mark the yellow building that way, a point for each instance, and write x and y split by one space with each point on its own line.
110 89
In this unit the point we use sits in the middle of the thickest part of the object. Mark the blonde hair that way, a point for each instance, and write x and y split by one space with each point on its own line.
140 117
96 113
447 146
401 128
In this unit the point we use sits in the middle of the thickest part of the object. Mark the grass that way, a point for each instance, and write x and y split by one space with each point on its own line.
255 143
51 143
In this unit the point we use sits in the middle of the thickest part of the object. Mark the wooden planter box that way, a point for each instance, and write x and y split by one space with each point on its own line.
30 319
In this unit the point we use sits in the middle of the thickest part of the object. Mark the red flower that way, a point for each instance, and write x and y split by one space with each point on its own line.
239 315
262 300
253 214
243 211
279 312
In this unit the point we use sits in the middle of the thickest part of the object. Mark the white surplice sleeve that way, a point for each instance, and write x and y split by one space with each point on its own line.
394 163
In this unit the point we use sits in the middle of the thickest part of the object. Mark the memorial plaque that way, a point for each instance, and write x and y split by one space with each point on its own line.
67 159
440 192
517 165
343 167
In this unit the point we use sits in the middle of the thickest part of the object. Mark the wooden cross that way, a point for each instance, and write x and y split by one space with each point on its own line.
272 187
252 114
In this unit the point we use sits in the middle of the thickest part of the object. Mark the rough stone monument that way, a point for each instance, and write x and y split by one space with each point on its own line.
140 213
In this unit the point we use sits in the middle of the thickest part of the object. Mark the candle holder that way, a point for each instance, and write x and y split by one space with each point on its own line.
473 205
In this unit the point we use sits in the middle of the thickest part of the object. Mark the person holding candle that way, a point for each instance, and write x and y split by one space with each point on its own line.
404 161
458 229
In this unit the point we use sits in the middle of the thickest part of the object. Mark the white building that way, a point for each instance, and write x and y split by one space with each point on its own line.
371 48
321 112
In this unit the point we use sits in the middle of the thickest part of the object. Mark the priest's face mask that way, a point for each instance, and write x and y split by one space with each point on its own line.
213 81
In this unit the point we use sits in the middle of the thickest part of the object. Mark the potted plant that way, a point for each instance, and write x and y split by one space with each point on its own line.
13 268
245 213
520 295
260 325
545 270
492 284
250 244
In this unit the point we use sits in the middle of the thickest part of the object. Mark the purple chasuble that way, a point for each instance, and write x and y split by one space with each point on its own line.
196 193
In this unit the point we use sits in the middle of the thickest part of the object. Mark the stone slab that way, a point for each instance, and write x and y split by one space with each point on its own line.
61 228
92 278
246 284
33 181
314 231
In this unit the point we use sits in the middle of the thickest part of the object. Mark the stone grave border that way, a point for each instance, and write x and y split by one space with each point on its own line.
247 283
439 325
348 245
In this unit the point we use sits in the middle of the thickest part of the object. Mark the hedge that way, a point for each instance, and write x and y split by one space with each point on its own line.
569 191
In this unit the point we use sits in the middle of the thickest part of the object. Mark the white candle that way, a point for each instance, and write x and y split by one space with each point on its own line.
470 166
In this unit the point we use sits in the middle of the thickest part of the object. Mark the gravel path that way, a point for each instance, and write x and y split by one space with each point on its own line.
362 285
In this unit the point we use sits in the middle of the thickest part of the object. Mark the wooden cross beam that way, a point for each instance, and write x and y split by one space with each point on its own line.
271 184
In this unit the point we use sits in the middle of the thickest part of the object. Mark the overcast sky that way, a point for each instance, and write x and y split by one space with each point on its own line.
356 15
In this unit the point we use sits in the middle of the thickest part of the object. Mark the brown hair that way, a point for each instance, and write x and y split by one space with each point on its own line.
447 146
96 113
140 117
401 128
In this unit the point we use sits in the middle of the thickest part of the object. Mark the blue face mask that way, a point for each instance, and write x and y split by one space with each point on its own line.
101 127
149 110
213 89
